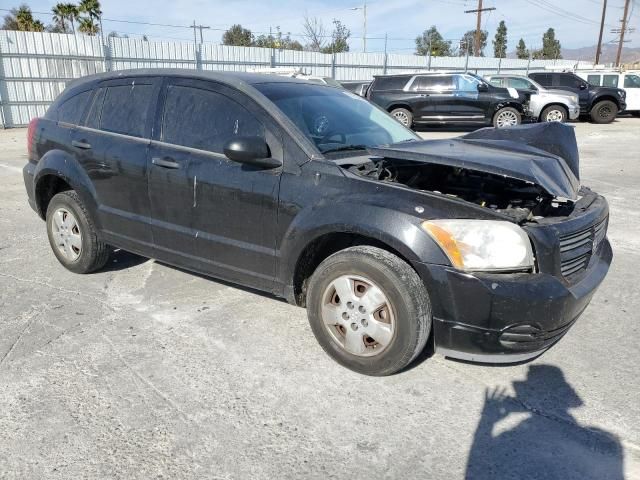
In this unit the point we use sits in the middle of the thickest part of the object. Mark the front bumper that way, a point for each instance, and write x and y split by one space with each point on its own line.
506 318
574 112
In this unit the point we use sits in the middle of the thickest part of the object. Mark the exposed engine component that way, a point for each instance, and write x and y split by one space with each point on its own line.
516 198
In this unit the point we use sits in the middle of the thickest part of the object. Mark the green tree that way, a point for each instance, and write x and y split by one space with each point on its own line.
279 41
238 36
432 40
21 19
521 50
91 13
339 38
550 46
59 17
500 41
70 12
468 42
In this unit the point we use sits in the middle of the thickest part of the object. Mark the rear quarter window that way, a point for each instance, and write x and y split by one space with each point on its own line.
610 80
71 110
389 83
126 108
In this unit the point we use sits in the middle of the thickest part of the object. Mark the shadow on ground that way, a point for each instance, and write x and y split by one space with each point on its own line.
533 435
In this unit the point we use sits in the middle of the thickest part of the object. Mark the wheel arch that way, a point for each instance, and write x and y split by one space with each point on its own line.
604 98
395 105
56 172
553 104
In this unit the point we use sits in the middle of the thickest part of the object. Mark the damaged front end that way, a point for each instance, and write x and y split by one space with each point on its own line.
524 172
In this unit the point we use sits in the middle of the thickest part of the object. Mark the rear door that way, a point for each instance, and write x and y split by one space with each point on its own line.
430 95
210 213
112 145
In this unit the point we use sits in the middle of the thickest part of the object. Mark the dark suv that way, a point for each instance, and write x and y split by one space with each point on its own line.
446 98
485 243
602 104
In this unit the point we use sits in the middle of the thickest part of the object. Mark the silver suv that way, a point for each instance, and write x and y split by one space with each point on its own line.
545 105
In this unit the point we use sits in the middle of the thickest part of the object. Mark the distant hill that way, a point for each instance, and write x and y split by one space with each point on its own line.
629 55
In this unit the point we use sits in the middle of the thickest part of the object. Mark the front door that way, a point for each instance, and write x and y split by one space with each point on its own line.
210 213
468 103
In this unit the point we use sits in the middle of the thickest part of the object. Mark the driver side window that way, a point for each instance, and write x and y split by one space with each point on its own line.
204 119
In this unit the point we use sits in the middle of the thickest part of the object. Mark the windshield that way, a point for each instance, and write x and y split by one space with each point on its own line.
335 119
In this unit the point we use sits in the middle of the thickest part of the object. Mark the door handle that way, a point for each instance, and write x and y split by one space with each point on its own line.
165 162
81 144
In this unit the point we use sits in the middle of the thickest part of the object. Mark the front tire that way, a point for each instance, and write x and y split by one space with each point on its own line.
604 112
507 117
369 310
404 116
554 113
72 234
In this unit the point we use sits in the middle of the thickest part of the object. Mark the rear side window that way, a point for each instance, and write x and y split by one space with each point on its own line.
390 83
72 109
519 83
126 108
594 80
610 80
496 82
433 82
544 79
631 81
205 120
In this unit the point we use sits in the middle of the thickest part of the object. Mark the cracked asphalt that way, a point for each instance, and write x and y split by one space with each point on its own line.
144 371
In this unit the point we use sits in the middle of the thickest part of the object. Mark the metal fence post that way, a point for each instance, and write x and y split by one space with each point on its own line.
499 64
107 54
429 59
3 88
272 59
333 65
385 61
528 64
199 56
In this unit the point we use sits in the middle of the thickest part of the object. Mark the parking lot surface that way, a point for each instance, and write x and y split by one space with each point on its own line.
145 371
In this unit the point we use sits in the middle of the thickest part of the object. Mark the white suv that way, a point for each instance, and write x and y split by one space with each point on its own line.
628 81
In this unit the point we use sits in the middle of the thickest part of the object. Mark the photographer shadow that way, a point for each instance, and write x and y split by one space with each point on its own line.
534 436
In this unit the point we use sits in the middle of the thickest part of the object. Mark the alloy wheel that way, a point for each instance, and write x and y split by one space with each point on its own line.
555 116
402 117
506 119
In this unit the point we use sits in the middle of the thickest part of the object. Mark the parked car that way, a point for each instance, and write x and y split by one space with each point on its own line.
357 87
544 105
601 103
446 98
314 194
628 81
299 74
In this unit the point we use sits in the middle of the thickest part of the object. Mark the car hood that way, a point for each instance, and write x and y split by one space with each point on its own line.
544 154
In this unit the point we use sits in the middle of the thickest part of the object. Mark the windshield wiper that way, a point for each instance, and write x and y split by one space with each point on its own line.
346 148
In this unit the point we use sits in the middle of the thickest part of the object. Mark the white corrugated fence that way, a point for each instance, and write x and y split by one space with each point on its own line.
35 66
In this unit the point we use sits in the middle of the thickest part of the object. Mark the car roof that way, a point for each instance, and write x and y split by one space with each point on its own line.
231 78
505 75
439 72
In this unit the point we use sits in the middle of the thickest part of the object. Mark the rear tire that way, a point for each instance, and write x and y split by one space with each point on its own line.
73 236
554 113
507 117
380 320
404 116
604 112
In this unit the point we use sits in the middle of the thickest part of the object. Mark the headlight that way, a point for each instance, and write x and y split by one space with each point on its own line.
489 245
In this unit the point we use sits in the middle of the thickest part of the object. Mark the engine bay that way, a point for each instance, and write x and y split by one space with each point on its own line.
515 198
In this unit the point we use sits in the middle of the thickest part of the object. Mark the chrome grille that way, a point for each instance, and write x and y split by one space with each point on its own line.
577 247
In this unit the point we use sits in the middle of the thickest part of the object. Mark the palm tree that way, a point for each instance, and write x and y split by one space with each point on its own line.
22 19
71 14
60 17
89 24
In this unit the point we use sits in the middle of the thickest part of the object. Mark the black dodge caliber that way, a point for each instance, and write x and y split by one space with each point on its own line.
485 243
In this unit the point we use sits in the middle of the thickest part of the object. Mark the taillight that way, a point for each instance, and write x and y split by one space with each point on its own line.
31 134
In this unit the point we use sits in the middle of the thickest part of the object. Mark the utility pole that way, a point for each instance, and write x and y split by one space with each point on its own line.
364 29
599 49
624 27
200 27
478 11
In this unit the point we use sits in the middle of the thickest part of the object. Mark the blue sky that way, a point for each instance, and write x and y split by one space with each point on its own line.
402 20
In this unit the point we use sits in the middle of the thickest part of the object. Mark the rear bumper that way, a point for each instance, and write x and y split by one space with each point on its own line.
506 318
28 175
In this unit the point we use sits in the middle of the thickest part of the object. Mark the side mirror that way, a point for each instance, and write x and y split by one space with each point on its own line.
583 86
252 151
483 87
